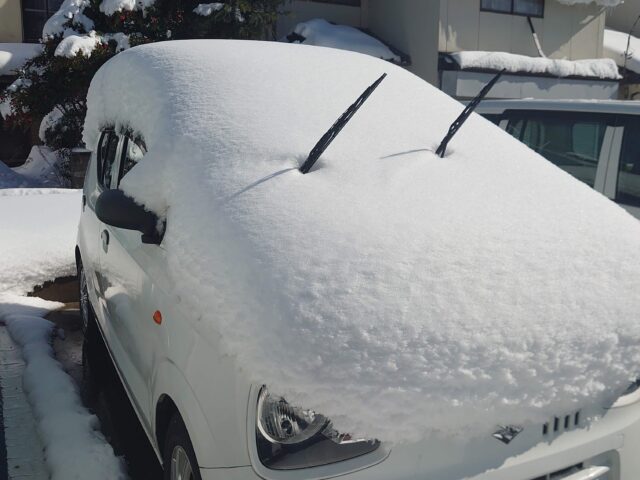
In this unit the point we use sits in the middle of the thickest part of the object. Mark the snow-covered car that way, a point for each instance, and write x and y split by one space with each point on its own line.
471 316
598 142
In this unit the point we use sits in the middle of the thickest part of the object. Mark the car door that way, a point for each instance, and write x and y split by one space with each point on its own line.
577 142
89 233
125 286
623 183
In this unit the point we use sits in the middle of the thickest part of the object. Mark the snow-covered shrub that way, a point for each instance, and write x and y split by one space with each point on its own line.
84 34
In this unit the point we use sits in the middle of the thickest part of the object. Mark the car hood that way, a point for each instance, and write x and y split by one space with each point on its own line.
397 292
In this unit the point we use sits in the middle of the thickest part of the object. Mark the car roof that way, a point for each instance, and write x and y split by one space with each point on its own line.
627 107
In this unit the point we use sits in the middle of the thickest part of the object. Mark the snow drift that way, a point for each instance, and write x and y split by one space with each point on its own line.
397 292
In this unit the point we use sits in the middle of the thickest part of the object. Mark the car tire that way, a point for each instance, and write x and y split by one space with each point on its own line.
83 298
178 456
90 385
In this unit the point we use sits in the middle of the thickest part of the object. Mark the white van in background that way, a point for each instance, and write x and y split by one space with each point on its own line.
598 142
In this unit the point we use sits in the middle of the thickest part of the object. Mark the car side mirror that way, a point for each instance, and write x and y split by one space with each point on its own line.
115 208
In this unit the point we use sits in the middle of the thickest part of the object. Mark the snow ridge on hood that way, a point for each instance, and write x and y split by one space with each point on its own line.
397 292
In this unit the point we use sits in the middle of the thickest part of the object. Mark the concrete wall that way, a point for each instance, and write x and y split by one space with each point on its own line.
412 27
10 21
303 10
572 32
621 18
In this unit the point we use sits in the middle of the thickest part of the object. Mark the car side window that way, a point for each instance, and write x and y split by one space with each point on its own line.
572 141
107 161
628 188
133 153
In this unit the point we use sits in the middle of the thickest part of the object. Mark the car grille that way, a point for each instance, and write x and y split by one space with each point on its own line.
557 425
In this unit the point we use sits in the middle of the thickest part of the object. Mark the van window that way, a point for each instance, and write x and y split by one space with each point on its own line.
133 154
572 141
628 189
107 161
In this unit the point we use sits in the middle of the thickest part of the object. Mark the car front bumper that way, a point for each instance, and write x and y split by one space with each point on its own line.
607 449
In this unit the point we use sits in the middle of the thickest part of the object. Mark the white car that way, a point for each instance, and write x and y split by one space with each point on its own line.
598 142
447 310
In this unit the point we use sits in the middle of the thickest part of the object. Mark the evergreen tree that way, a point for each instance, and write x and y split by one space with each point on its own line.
84 34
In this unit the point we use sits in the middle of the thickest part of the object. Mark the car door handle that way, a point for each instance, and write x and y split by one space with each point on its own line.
105 240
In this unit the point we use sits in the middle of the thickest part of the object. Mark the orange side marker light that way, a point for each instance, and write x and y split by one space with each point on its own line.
157 317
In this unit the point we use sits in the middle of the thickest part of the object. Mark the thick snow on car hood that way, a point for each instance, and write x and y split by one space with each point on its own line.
399 293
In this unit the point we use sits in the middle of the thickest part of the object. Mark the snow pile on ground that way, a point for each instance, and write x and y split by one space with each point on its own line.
604 68
10 179
321 33
41 168
397 292
14 55
615 48
74 446
38 236
206 9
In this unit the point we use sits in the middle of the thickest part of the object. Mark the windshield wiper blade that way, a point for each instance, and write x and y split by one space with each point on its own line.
335 129
471 106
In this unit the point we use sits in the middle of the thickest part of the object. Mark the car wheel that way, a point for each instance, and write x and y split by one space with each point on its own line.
89 387
179 460
85 307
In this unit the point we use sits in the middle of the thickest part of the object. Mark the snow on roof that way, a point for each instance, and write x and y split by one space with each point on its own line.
395 291
615 48
602 3
603 68
321 33
14 55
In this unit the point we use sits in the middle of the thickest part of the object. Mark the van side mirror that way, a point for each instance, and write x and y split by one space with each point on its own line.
115 208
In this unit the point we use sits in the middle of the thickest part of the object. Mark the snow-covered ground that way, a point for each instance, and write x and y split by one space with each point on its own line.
75 449
37 244
14 55
38 236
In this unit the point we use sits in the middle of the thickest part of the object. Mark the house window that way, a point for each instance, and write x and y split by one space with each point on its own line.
34 15
529 8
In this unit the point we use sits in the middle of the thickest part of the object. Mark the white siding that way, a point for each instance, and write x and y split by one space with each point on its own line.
10 21
572 32
412 27
303 10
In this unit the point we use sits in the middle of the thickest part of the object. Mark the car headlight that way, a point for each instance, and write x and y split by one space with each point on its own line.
289 437
631 395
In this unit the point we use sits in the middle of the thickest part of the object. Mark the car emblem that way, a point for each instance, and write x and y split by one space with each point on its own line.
507 433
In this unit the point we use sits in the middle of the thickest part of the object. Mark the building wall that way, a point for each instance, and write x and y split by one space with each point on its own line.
572 32
10 21
621 18
302 10
412 27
